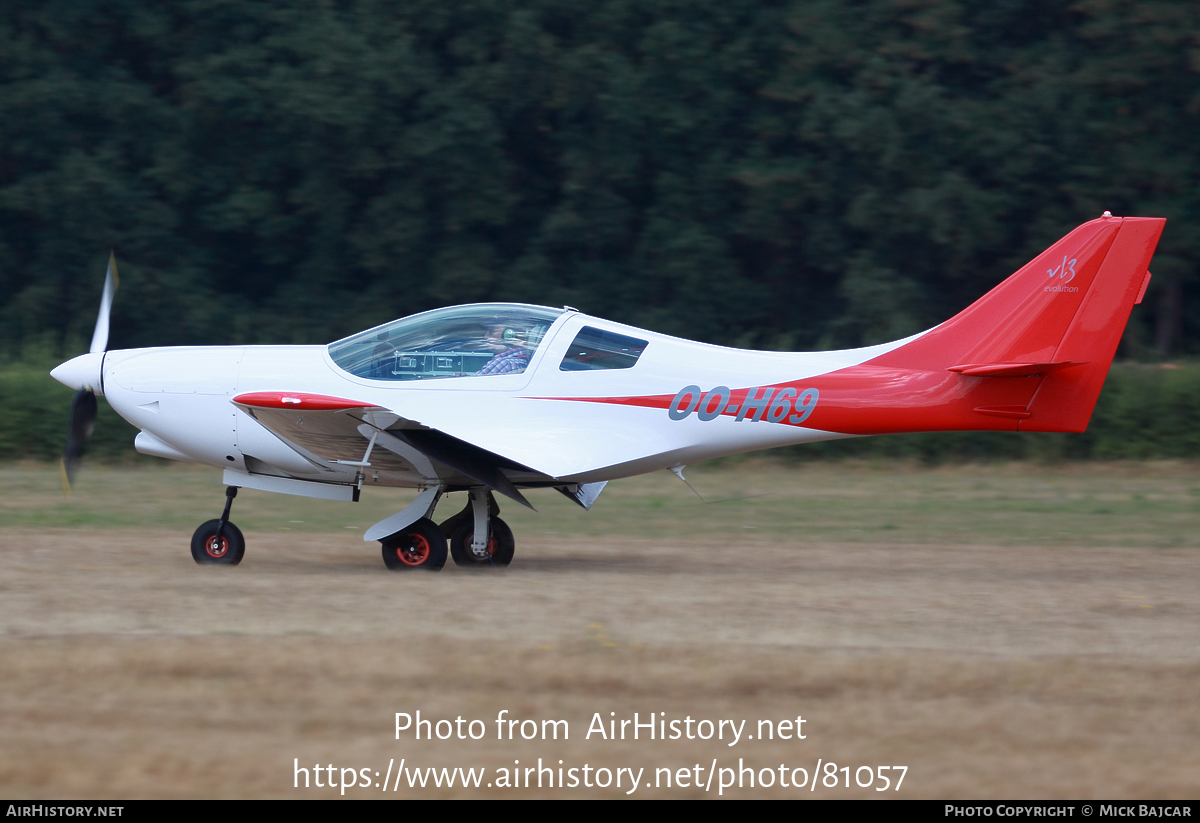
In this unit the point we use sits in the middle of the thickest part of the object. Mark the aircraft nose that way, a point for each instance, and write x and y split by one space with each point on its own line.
82 372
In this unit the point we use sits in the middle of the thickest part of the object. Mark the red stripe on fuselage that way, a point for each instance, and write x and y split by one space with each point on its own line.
873 399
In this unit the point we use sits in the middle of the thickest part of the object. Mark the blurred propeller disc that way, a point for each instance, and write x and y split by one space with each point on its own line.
79 429
111 281
83 404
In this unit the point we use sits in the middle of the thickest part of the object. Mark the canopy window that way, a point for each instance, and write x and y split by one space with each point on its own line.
459 341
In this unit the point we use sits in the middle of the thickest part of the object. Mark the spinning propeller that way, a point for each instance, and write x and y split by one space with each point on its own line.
83 374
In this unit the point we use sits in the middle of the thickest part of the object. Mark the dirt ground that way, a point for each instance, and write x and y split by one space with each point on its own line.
989 668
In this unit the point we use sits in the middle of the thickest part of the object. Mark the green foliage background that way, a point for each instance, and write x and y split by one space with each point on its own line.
774 174
1144 412
782 174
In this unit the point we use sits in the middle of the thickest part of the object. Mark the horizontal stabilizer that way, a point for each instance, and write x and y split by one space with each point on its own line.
1013 369
1013 412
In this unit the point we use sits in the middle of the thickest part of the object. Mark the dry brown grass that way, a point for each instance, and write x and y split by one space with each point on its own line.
990 671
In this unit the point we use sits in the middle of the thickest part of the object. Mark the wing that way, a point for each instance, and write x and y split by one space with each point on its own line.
339 432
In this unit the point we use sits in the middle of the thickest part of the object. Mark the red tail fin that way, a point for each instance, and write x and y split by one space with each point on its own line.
1030 355
1025 318
1065 400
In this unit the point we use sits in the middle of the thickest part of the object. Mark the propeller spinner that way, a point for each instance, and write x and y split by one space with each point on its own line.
83 374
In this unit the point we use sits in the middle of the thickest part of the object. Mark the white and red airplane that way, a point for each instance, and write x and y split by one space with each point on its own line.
503 397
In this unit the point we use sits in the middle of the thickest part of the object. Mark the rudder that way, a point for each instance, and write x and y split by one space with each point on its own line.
1065 399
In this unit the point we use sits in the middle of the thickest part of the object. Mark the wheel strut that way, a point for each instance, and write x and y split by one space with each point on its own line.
479 511
230 493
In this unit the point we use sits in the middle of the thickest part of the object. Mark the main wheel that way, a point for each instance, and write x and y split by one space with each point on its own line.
420 546
467 515
228 551
500 545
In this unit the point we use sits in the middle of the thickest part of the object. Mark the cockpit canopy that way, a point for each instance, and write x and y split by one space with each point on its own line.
483 339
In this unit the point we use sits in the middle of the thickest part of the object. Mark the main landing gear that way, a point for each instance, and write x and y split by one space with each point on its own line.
219 542
422 545
496 553
419 546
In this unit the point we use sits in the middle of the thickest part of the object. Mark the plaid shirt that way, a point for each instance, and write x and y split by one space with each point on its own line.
512 361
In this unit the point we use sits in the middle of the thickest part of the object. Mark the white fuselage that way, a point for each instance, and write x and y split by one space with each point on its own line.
181 400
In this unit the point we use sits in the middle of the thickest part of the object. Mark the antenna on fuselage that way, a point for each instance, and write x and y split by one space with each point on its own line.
677 470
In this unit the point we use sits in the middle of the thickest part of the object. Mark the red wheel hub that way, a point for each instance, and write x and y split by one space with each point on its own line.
216 548
414 551
491 547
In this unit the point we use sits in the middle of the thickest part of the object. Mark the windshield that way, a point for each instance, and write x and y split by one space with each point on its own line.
484 339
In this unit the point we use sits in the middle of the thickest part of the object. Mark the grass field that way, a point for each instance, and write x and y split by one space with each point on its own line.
1107 504
1009 630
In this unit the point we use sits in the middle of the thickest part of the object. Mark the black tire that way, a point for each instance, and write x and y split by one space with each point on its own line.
501 545
229 552
420 546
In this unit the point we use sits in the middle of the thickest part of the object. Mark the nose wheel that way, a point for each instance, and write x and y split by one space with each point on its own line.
219 542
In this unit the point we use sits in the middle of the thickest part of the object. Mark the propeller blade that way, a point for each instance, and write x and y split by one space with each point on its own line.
79 429
100 336
83 404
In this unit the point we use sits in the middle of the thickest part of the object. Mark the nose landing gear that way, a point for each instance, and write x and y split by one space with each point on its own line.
219 542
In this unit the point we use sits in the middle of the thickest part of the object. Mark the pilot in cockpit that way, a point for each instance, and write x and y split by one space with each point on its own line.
512 347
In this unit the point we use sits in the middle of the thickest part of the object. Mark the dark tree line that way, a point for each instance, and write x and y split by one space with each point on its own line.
773 174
